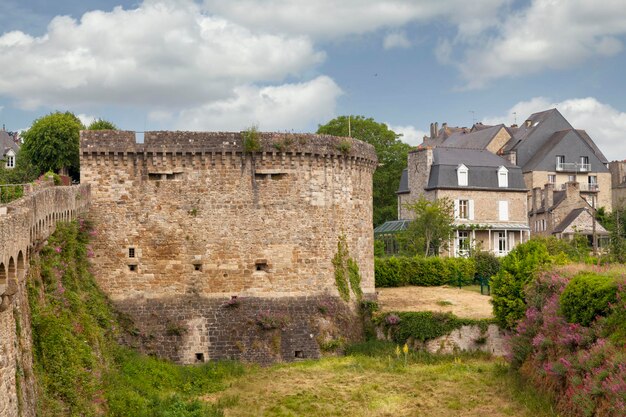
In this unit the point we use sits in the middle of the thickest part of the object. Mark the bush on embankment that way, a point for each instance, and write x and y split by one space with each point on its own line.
571 342
424 271
79 367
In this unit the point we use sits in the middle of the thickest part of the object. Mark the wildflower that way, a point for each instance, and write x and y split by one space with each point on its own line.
397 351
57 249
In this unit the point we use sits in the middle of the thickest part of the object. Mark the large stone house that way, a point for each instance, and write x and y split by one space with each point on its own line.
550 155
488 192
9 146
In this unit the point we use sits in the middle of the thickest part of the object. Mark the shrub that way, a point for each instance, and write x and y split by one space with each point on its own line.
431 271
516 270
487 264
587 296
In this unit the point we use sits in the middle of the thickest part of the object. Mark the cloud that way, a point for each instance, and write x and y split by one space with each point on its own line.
605 124
168 53
547 35
329 19
278 108
86 119
396 40
409 133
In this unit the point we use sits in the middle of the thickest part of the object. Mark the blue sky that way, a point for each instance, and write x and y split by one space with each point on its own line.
289 65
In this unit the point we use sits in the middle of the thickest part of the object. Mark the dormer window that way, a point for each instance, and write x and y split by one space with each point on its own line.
503 177
10 159
462 174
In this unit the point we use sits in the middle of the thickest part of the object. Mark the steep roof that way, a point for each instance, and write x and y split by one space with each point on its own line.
575 214
482 170
7 142
583 134
404 182
476 139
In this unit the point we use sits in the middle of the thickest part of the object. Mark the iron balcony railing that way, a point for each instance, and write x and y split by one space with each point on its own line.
572 167
584 187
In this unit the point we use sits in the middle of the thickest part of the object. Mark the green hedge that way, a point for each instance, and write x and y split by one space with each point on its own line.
431 271
587 296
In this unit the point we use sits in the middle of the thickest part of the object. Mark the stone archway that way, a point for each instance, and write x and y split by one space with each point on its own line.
3 278
20 266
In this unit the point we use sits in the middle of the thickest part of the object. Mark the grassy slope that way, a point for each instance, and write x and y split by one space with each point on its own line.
82 371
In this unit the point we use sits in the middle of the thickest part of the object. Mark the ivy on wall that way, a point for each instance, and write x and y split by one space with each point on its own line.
347 275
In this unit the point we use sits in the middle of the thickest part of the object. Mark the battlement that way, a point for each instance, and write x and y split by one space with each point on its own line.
177 142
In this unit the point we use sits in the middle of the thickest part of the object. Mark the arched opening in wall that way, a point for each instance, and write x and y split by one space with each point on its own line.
11 271
3 278
20 265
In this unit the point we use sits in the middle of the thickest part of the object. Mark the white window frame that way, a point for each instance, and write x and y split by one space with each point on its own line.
462 174
551 178
503 210
503 176
501 243
463 242
467 210
10 159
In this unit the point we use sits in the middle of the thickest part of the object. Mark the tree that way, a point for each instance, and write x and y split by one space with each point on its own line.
392 157
23 172
101 124
429 232
51 143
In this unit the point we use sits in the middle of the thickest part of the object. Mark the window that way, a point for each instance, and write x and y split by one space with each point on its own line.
503 210
462 175
503 177
560 162
584 163
502 242
463 209
131 252
571 178
592 182
463 243
10 160
551 179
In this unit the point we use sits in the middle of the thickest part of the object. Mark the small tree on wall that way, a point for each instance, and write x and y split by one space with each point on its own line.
428 233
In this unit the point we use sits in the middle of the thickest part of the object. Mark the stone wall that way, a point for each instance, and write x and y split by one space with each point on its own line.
25 224
197 216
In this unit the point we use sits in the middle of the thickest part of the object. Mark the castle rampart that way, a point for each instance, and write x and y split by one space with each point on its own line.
25 224
187 221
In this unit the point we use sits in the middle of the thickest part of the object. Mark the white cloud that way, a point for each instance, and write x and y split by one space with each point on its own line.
547 35
605 124
329 19
167 53
280 108
409 133
86 119
396 40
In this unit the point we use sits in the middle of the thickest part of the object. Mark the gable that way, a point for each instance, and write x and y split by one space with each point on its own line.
568 144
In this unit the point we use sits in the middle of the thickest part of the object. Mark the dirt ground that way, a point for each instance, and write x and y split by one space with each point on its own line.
463 303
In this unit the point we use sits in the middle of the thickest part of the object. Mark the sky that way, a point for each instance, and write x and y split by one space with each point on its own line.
290 65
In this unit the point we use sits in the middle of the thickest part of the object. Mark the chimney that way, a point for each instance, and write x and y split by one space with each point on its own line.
436 129
514 125
536 198
572 189
432 131
549 195
444 125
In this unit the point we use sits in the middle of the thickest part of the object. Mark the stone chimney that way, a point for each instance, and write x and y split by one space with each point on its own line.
549 199
436 129
572 189
536 198
444 125
418 167
432 131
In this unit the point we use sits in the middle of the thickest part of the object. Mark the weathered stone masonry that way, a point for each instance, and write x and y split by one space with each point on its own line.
25 224
188 220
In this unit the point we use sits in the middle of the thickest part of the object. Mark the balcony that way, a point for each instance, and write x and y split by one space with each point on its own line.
572 167
584 187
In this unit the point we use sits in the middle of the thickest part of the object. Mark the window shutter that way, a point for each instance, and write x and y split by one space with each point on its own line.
456 209
470 204
503 209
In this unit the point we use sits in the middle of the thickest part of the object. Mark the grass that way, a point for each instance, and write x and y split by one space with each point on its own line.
372 381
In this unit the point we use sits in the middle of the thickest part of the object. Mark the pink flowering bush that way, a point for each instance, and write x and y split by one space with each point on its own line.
582 366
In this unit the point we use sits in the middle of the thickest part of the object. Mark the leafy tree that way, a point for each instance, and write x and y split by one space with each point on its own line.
428 233
392 158
101 124
23 172
51 143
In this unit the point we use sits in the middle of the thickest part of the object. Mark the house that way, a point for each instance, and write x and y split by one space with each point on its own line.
618 183
564 212
9 146
489 195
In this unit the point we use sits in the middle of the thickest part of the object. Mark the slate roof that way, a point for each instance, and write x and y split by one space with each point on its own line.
545 149
482 166
583 134
404 182
477 139
7 142
523 131
573 215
